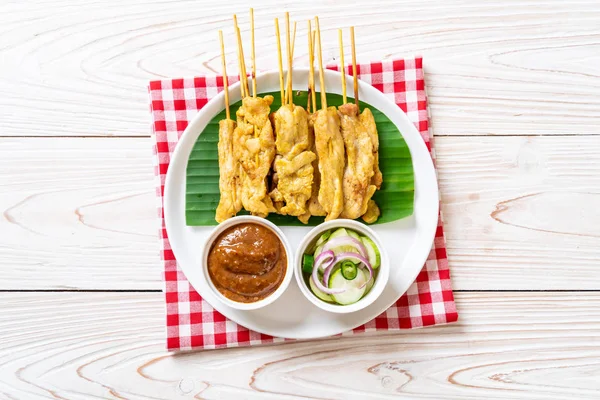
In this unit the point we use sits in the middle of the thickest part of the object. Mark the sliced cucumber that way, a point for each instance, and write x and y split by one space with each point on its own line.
339 232
356 236
323 238
372 252
319 249
307 263
318 293
353 292
353 234
370 285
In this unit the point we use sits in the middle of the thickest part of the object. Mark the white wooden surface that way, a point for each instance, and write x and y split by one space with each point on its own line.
506 346
515 103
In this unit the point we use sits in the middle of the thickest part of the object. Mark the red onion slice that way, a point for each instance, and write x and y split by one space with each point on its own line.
328 258
323 258
363 261
346 241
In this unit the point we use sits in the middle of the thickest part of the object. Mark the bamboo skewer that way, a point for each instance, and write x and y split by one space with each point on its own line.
321 73
312 95
289 58
290 93
342 67
354 71
281 87
310 70
241 79
225 80
294 39
235 32
243 75
253 53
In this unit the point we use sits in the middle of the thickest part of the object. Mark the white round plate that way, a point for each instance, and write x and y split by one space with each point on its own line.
408 241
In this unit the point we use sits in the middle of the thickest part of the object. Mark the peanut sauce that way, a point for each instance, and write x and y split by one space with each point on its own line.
247 262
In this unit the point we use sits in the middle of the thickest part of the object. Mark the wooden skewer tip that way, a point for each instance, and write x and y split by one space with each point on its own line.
280 61
253 53
321 73
309 94
291 92
342 66
288 54
354 69
225 80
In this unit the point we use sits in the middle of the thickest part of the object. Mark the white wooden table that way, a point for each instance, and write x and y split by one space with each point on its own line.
514 89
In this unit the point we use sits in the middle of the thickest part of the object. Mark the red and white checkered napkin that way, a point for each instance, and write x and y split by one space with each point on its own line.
192 323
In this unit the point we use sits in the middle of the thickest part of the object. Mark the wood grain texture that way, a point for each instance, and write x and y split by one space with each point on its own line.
505 346
78 214
521 213
502 67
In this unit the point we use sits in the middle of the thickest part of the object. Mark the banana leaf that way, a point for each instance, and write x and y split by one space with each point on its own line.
395 198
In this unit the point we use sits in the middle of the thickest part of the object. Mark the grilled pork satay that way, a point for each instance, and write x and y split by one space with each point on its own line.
294 167
230 201
254 143
359 165
255 149
366 119
372 213
313 206
274 193
293 163
359 154
330 149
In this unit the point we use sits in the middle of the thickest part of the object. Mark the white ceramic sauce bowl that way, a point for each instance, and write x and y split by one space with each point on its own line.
289 267
380 280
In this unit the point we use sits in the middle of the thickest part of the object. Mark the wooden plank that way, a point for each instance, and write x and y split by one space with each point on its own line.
520 213
78 214
518 67
102 345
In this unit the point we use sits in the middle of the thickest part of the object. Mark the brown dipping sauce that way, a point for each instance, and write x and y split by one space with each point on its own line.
247 262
